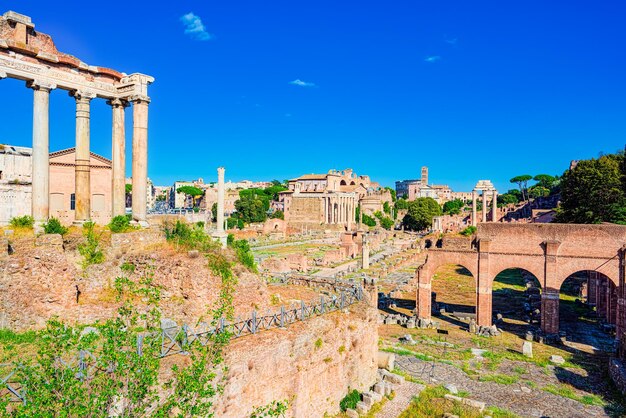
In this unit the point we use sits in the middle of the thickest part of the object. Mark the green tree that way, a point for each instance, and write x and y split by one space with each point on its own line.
453 207
507 198
214 211
545 180
594 191
522 183
386 208
402 204
538 191
194 192
252 207
420 213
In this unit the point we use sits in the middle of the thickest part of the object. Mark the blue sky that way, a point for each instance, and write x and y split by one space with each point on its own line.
474 90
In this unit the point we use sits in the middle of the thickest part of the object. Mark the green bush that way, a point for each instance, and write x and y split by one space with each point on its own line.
470 230
120 223
231 222
25 221
242 249
53 226
350 400
90 250
191 237
368 220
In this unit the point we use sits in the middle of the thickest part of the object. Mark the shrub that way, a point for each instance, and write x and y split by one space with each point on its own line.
190 237
350 400
90 250
120 223
25 221
242 249
231 222
470 230
53 226
368 220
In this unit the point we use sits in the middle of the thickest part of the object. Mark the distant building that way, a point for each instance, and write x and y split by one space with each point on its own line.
16 186
331 199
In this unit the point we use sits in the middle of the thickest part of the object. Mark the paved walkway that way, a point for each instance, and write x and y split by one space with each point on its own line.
517 398
400 402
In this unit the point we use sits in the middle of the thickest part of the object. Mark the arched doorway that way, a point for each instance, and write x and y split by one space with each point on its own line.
588 310
516 300
454 294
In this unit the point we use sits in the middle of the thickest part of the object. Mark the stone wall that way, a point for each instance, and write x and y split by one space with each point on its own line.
289 365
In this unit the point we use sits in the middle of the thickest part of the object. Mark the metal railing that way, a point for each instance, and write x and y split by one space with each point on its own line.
176 340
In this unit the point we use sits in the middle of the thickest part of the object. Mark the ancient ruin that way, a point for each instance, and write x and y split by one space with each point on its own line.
29 55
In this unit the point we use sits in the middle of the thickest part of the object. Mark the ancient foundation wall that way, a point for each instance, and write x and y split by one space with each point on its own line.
312 364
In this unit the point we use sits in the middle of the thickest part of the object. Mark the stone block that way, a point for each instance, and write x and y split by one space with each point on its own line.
362 408
368 400
376 397
54 241
557 359
351 413
451 388
379 388
386 360
527 349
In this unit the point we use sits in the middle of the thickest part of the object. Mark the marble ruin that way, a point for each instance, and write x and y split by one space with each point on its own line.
29 55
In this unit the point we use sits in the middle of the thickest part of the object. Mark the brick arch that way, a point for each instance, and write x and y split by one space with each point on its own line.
515 266
436 259
533 265
609 269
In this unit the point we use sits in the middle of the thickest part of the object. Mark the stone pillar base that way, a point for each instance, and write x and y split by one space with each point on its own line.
222 237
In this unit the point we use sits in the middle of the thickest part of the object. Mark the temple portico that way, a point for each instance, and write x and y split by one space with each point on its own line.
32 57
489 194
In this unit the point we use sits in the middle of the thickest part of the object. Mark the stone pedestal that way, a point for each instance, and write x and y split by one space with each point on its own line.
550 312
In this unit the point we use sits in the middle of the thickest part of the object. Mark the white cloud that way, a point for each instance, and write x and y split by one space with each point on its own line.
452 41
298 82
194 27
432 58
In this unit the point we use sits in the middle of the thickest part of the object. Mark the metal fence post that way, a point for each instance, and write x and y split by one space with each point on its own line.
303 311
343 299
322 303
282 316
254 322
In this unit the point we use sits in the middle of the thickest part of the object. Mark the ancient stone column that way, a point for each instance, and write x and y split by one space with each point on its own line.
494 207
118 157
82 158
484 206
423 298
41 150
140 159
474 221
365 254
220 234
349 214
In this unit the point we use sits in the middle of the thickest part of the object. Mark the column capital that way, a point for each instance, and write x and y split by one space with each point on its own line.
139 98
82 95
118 103
3 74
40 85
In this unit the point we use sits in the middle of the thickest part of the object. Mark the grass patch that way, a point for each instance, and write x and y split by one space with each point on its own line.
567 392
501 379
